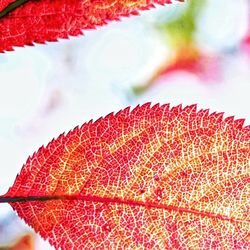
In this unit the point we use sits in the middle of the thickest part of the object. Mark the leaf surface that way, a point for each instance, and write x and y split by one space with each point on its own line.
47 20
150 178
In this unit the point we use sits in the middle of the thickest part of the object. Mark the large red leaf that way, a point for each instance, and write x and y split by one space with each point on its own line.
150 178
47 20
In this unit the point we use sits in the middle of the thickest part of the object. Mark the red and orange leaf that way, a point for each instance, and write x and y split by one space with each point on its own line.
151 178
46 20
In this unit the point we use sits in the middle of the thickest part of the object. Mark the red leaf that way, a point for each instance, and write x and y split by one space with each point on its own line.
46 20
150 178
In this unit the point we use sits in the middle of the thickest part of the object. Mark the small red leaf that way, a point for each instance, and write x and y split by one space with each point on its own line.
46 20
150 178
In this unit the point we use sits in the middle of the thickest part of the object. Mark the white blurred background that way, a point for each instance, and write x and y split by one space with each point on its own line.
46 90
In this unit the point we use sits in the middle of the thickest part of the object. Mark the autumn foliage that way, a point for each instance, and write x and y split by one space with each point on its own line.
152 177
148 178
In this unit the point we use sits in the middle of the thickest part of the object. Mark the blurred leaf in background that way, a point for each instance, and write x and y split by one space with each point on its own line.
246 41
24 242
14 235
185 53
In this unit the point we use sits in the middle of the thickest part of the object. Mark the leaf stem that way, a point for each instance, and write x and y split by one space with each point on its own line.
12 7
148 205
4 199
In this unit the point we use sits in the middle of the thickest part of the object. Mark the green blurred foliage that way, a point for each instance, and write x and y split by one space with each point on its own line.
180 31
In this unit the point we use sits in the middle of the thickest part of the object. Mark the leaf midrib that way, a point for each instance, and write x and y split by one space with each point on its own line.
11 7
7 199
